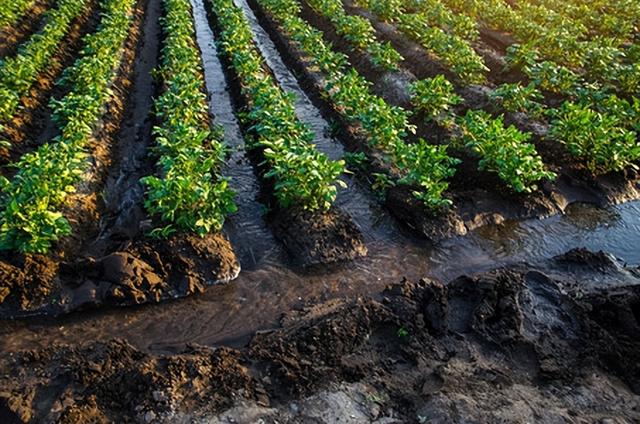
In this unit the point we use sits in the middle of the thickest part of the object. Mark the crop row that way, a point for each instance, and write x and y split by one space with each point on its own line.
556 53
617 19
599 129
359 32
437 14
452 50
503 150
30 215
189 195
302 176
12 10
18 73
423 166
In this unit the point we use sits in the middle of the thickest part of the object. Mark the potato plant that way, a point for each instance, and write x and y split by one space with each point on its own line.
600 139
12 11
518 98
452 50
30 204
437 14
435 98
504 150
190 195
425 168
359 32
302 176
561 43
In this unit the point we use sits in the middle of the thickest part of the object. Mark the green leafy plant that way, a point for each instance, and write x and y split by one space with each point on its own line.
13 10
518 98
439 15
385 9
359 32
402 333
504 150
552 77
599 138
454 51
434 97
355 160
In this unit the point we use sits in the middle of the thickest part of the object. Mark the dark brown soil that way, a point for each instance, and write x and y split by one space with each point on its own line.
11 37
318 238
517 344
32 126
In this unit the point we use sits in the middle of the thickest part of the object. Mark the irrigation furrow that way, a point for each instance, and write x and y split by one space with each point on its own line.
253 241
122 209
356 199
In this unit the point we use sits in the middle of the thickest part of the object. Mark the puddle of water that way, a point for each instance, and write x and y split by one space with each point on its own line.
615 230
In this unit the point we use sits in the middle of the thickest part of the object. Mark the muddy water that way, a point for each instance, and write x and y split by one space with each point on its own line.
268 286
257 298
247 230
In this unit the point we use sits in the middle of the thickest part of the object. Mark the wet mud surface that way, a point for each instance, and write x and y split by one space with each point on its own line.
514 344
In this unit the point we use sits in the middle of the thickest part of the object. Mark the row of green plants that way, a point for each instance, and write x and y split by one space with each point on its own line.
503 150
602 129
453 50
31 202
554 50
359 32
11 11
424 167
617 19
190 194
302 176
437 14
599 128
19 73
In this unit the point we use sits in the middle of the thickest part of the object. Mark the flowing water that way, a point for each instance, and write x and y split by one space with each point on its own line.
269 286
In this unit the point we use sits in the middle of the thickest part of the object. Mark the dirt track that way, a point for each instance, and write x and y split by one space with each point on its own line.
512 345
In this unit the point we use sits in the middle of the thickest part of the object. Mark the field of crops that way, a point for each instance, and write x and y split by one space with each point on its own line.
409 210
117 172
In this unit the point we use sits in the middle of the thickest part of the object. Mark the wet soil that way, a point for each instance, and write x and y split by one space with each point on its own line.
515 344
108 260
11 37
